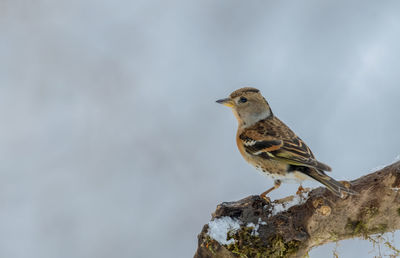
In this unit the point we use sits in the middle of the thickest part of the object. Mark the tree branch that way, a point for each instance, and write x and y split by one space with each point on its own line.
254 228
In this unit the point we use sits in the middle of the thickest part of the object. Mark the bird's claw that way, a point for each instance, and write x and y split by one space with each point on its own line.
266 198
300 190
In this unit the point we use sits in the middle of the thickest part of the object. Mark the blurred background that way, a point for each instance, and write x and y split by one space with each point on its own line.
111 144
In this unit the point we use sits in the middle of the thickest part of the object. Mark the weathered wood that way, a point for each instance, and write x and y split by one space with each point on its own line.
320 219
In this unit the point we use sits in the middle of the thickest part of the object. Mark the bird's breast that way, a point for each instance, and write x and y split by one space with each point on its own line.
241 148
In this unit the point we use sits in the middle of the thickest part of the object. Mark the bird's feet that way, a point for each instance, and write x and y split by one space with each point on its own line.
300 190
265 198
277 183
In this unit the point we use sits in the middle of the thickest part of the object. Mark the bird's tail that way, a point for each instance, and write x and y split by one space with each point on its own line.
334 186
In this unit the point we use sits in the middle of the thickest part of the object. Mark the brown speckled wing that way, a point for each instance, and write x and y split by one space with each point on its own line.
273 137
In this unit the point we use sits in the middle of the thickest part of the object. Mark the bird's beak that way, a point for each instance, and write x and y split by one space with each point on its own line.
226 102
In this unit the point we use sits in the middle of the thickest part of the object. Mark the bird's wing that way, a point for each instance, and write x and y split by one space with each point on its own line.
296 151
290 149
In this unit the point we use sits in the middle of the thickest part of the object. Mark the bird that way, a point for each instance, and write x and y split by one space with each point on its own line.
272 147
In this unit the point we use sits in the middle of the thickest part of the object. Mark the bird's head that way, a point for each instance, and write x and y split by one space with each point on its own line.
248 105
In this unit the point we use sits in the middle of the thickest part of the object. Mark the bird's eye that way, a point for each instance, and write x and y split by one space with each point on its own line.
242 100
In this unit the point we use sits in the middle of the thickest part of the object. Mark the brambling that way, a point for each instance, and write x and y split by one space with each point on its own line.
269 145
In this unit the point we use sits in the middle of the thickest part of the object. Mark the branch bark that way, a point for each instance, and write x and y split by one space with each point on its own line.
267 230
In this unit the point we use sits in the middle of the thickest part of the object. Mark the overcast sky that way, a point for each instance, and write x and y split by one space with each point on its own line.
111 144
